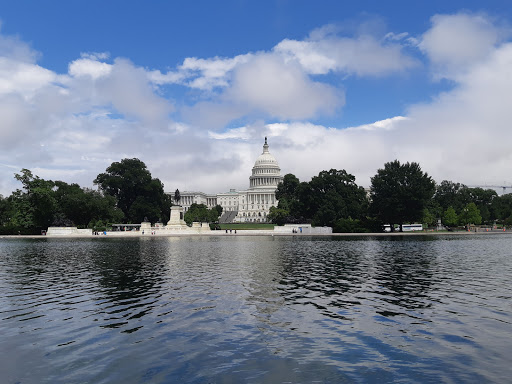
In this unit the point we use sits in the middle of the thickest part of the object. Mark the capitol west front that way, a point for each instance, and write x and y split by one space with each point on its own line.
251 205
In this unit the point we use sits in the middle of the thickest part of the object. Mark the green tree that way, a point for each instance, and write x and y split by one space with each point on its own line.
502 207
21 211
483 199
287 189
197 212
43 203
5 211
429 219
33 206
278 215
138 195
458 196
142 208
80 206
303 207
287 194
328 197
72 205
349 226
450 194
470 214
400 192
217 212
336 196
103 207
450 217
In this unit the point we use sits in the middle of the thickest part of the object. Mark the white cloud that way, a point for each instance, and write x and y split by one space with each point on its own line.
305 149
95 55
308 55
15 49
280 90
128 89
18 123
468 129
362 56
386 125
396 36
463 135
89 67
455 42
322 52
278 84
178 127
202 74
23 78
160 78
241 133
57 123
212 72
72 126
266 86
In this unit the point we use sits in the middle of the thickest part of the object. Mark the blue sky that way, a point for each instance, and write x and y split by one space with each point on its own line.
192 88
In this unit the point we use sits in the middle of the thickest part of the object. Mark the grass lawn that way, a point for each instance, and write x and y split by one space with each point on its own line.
239 226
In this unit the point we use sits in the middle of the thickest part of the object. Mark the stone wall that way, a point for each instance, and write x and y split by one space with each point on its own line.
66 231
305 229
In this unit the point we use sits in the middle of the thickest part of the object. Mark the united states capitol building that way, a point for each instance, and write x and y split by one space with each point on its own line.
251 205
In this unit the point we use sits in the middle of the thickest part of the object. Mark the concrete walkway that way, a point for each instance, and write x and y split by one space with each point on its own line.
132 234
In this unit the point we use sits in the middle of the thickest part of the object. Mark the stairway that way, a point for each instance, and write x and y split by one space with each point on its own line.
228 217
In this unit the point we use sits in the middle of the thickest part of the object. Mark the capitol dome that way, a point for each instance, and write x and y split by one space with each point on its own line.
266 172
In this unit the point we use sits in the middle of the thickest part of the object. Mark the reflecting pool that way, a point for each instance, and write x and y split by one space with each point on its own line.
250 309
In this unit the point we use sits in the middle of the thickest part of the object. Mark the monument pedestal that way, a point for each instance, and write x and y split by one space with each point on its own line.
145 226
176 221
200 227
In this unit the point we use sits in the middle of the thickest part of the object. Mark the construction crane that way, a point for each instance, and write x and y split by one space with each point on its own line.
501 186
504 187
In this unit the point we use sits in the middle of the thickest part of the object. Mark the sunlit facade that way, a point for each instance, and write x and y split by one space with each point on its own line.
251 205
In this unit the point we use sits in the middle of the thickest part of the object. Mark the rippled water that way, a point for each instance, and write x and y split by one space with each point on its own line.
256 309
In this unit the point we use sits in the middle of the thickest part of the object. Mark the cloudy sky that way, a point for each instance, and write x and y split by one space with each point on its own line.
192 89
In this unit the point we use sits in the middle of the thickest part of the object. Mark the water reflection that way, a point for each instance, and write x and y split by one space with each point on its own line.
335 272
130 279
405 272
256 309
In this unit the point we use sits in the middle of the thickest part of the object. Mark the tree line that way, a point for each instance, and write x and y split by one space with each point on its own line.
127 193
399 194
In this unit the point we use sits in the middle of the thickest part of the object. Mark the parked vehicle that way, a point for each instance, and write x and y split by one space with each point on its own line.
405 227
412 227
